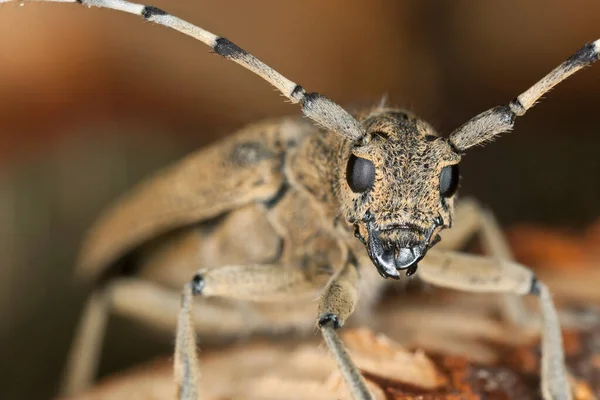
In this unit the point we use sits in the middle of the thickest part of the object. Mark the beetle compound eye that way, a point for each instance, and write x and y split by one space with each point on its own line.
449 180
360 174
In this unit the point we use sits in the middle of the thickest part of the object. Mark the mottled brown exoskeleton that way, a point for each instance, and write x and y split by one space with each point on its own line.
285 212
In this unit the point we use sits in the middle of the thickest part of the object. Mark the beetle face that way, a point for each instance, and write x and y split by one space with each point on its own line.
398 189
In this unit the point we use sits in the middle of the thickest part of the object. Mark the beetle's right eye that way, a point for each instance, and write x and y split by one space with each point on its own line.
360 174
449 180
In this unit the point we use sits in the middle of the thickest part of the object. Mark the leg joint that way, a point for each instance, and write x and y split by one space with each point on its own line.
330 320
535 286
197 284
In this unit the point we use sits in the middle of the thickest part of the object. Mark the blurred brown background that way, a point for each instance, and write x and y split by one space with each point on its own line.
92 100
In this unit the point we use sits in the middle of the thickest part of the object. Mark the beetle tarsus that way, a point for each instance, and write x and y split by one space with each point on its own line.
329 319
197 284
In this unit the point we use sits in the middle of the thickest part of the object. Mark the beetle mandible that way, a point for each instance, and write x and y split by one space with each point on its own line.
285 210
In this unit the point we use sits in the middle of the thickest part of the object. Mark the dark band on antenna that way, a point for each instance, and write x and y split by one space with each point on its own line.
150 11
227 49
297 93
585 56
517 107
309 98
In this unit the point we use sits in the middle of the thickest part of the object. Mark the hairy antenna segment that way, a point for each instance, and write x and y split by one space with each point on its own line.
487 125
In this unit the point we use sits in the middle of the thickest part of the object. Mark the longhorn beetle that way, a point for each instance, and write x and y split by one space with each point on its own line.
285 210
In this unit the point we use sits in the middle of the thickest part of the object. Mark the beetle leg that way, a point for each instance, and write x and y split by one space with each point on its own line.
259 282
84 353
264 282
336 305
489 275
186 360
470 219
159 306
465 223
495 244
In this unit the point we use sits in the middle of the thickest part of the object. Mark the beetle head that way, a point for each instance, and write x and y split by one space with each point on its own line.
398 189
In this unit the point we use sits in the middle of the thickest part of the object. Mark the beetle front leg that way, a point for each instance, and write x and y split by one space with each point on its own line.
487 275
186 360
336 305
470 218
260 282
263 282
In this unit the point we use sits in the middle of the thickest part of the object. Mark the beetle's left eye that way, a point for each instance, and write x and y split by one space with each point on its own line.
449 180
360 174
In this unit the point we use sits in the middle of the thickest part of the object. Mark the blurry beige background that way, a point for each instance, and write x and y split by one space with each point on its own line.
92 100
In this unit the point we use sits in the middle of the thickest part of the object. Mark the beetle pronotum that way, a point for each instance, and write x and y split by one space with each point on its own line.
326 206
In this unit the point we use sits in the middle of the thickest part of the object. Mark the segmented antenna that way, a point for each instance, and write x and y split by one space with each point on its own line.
315 106
490 123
